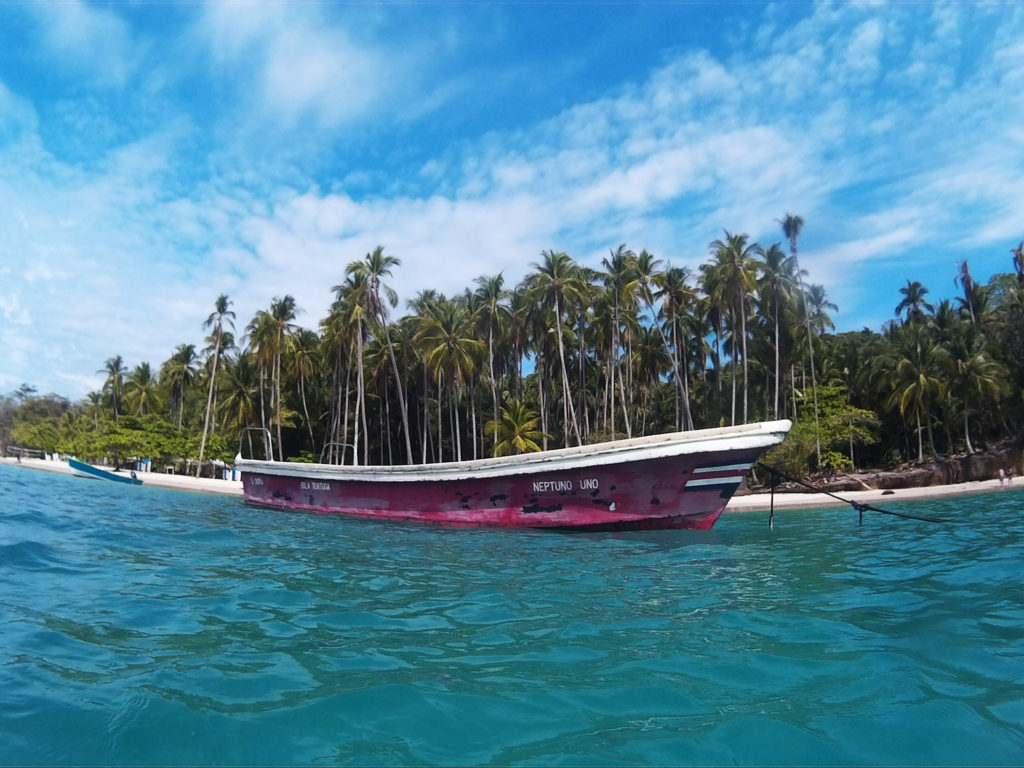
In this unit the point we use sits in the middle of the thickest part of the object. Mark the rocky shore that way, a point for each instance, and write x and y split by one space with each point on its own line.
951 470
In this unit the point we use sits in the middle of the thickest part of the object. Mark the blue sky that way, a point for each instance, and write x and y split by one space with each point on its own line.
156 154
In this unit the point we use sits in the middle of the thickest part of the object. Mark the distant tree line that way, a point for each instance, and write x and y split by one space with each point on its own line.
570 355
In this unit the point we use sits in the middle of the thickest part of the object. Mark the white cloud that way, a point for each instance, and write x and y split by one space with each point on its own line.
84 38
306 71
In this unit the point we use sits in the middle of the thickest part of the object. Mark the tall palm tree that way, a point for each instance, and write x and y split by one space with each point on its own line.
141 388
677 299
977 379
736 278
650 360
1018 261
95 406
450 352
375 266
776 288
792 226
621 286
963 277
304 347
178 372
240 400
913 302
221 316
915 374
351 309
646 269
115 370
556 281
818 303
493 311
282 312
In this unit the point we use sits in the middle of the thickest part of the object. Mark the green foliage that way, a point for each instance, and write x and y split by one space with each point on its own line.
835 460
516 430
838 424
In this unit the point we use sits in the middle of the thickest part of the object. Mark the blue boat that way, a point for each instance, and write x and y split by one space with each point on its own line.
82 469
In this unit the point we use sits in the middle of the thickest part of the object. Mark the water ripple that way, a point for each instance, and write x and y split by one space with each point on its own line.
161 627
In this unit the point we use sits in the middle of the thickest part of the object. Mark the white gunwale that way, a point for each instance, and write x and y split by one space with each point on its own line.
759 435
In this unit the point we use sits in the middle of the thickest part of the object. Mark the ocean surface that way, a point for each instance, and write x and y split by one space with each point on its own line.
141 626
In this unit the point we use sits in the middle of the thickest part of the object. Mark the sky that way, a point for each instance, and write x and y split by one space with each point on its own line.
154 155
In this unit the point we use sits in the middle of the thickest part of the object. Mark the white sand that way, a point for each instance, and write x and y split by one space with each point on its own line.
762 501
157 479
749 503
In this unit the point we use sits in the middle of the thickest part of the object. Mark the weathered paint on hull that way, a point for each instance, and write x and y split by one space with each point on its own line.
670 492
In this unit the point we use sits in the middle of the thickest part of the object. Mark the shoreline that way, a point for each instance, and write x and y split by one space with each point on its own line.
753 502
152 479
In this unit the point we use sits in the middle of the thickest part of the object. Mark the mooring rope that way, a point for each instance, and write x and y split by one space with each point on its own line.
859 506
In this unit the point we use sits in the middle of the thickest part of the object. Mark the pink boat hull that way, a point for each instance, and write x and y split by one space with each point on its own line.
586 489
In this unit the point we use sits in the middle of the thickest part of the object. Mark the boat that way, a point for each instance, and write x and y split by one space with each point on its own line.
81 469
677 480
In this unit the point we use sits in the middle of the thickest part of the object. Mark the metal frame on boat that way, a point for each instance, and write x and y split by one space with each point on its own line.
677 480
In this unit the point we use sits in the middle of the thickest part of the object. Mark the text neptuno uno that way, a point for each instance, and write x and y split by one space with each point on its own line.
546 486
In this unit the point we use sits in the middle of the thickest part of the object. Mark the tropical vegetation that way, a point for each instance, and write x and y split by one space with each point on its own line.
570 355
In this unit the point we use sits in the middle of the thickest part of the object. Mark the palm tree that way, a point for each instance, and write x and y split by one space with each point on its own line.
977 378
220 316
1018 261
375 266
776 287
240 401
95 406
282 312
304 346
677 302
620 286
350 309
915 373
178 372
735 278
792 226
963 277
913 302
493 311
516 431
817 303
450 352
650 360
555 282
645 266
115 370
141 388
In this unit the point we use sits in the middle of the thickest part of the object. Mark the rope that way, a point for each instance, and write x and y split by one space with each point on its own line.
859 506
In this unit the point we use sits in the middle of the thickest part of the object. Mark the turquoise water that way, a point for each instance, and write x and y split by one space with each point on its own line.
143 626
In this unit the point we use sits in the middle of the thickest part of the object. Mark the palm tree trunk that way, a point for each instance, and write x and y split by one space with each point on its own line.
920 437
401 393
360 413
305 411
490 366
209 401
775 410
440 422
566 396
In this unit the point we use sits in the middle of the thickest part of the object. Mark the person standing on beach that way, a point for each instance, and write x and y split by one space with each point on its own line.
1002 477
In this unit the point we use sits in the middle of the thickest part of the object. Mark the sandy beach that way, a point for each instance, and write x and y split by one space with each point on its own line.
748 503
152 479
